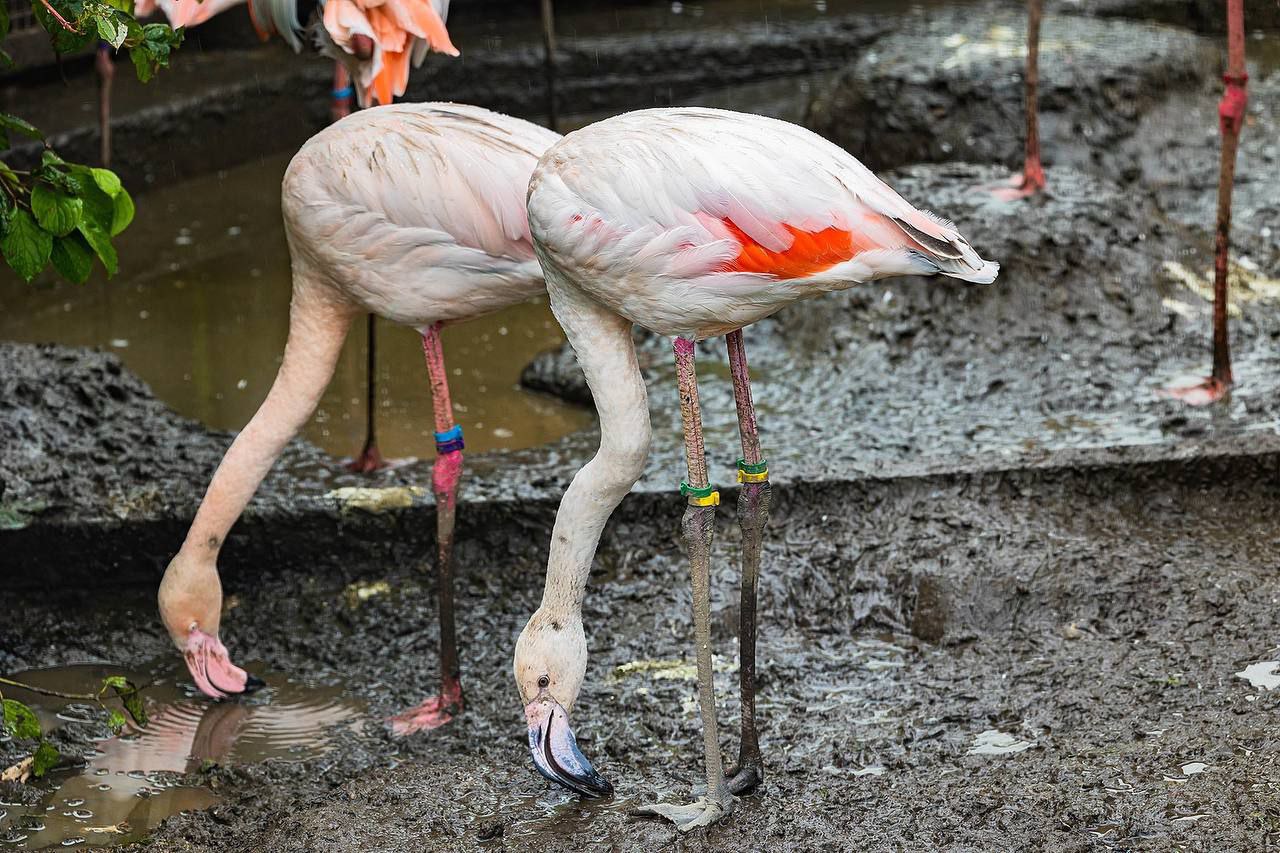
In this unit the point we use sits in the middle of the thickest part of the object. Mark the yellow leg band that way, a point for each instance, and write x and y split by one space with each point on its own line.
747 477
712 499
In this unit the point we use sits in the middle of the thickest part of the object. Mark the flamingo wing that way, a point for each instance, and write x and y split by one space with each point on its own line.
691 193
425 185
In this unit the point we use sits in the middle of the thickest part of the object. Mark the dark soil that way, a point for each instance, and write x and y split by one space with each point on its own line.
948 86
1098 611
1207 16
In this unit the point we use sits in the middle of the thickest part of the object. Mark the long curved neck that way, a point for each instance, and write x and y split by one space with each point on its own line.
602 342
317 328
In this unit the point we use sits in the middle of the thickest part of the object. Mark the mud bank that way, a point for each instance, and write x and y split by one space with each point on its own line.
1201 15
947 86
275 100
1095 615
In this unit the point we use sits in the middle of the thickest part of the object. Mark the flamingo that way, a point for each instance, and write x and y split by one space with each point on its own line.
691 223
413 212
1231 111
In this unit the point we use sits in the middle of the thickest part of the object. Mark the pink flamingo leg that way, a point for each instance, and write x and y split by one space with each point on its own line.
1230 120
698 525
753 516
438 710
341 106
1031 180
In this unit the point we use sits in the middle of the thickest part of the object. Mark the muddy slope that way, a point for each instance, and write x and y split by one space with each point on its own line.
948 86
1097 614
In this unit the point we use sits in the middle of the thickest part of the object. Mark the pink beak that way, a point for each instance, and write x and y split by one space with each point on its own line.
212 670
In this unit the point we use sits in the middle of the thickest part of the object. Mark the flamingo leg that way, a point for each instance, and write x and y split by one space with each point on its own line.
438 710
753 516
342 92
1031 180
370 458
697 526
106 70
1231 113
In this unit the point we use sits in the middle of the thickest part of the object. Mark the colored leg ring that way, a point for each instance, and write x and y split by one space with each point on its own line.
753 472
704 496
447 442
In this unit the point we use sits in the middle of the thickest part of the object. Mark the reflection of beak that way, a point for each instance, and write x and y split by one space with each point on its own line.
555 749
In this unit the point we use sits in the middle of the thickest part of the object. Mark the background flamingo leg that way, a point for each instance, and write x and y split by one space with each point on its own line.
1231 112
342 92
1031 179
105 68
697 526
438 710
753 516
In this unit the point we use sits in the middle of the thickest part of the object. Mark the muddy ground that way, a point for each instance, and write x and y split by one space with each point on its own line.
1099 613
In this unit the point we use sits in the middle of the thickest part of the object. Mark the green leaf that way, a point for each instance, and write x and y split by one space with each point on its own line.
63 40
111 31
125 6
123 212
152 53
20 720
56 212
4 20
45 758
27 246
107 181
117 681
6 61
131 697
101 244
116 720
99 209
72 258
26 128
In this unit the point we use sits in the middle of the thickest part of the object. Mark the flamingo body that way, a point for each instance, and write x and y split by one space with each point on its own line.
691 223
414 212
707 221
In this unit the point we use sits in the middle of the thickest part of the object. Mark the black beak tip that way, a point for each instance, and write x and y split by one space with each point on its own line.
253 684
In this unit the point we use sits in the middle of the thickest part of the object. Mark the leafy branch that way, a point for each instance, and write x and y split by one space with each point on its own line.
61 213
20 722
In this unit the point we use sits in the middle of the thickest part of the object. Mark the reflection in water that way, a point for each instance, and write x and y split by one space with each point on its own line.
127 787
200 311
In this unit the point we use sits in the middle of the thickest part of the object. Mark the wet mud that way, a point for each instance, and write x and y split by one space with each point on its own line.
999 660
948 86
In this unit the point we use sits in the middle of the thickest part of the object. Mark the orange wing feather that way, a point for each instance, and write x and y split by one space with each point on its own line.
810 252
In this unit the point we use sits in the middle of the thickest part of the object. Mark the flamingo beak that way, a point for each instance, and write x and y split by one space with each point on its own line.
212 670
555 750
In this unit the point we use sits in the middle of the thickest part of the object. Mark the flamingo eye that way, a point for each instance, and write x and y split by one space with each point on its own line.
543 681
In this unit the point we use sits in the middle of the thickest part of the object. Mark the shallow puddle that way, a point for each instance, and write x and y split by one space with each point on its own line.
200 308
128 785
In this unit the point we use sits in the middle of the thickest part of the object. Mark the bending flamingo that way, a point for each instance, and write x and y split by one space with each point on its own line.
413 212
691 223
1231 111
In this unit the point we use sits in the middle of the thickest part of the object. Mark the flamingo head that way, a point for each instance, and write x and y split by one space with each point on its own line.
191 608
550 662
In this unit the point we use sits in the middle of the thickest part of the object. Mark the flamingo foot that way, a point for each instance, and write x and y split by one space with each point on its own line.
746 778
1203 393
431 714
1019 186
369 460
704 812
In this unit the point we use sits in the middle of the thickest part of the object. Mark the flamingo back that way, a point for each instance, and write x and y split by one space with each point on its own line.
703 220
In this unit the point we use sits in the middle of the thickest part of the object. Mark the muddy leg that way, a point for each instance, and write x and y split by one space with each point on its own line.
697 526
753 517
439 710
106 70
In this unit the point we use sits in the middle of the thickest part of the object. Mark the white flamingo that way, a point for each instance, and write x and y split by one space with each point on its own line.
691 223
413 212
